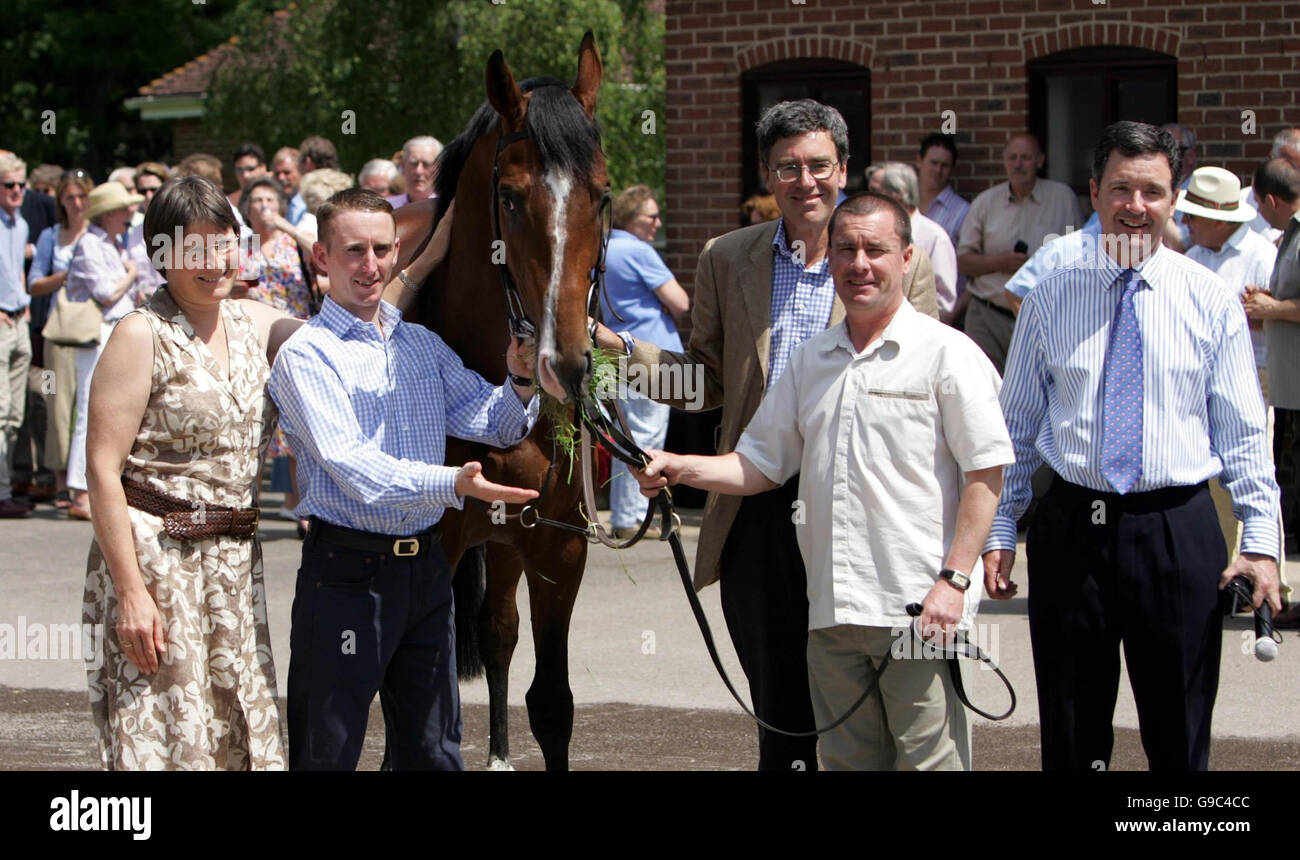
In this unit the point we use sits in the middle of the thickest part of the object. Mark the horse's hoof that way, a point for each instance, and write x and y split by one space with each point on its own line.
495 763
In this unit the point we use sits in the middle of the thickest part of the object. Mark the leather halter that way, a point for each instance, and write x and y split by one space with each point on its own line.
520 325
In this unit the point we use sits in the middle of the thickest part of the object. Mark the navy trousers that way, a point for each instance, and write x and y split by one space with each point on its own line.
1143 570
765 602
365 623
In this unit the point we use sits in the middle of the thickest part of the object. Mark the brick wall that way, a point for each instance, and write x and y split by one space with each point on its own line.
968 56
190 136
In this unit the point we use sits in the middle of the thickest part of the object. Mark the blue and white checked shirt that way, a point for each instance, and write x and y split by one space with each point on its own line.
367 417
1203 412
802 299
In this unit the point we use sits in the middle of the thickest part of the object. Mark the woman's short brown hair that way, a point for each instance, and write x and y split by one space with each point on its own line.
182 202
762 205
628 204
79 178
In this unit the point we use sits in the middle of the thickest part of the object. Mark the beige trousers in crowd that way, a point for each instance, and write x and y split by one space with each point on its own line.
912 721
59 403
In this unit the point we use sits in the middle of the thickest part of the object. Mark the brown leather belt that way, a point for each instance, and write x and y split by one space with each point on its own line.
186 520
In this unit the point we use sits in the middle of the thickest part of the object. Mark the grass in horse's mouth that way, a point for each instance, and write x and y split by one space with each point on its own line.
564 433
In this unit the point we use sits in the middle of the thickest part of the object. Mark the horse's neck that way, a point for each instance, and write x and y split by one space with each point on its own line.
469 312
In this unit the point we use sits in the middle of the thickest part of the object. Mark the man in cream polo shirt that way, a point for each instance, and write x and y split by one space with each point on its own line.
893 423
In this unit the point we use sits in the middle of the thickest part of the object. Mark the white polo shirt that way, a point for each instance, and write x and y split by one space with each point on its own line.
881 440
1246 259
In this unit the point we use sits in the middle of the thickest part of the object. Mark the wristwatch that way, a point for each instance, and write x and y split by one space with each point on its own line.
959 580
407 281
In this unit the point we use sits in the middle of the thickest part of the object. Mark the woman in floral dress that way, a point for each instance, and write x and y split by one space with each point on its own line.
179 421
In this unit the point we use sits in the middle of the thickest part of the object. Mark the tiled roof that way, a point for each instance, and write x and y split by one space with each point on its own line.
193 77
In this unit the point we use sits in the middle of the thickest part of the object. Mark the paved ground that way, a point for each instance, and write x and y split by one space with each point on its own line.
646 694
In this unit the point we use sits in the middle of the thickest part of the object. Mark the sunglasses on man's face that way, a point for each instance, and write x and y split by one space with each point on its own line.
12 185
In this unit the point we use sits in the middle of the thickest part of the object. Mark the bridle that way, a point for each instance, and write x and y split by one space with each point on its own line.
521 326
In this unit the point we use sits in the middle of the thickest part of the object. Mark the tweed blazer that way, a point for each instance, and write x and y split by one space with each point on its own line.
730 341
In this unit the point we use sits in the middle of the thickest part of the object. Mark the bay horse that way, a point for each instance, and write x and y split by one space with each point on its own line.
549 191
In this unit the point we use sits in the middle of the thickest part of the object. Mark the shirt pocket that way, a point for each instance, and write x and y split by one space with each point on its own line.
898 427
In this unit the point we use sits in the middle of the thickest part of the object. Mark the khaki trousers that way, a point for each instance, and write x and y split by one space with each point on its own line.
15 358
61 363
912 721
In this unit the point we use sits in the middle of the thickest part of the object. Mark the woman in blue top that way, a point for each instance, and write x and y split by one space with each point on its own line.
641 299
48 275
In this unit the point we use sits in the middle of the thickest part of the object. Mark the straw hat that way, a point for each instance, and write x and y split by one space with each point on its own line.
1216 194
110 196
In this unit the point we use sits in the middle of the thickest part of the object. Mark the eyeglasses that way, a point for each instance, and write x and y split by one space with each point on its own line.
21 183
149 190
792 172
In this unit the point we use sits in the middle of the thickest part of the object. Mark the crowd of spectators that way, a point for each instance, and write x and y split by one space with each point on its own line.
73 237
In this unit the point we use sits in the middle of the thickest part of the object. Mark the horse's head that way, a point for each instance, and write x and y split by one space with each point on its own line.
550 186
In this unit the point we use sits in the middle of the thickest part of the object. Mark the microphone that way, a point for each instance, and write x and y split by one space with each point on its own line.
1242 592
1265 644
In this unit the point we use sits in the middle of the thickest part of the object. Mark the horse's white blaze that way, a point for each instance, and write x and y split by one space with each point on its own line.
560 184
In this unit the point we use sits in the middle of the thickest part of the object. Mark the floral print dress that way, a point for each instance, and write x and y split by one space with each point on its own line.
212 702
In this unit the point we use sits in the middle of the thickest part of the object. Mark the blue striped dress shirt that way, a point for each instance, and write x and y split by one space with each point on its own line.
1203 412
367 416
802 298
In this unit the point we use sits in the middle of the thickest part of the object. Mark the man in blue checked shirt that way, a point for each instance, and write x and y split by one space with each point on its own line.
367 401
1131 375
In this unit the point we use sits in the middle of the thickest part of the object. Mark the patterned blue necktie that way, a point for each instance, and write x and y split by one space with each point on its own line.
1121 394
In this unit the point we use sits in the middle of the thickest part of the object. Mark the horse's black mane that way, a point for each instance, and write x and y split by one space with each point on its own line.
556 122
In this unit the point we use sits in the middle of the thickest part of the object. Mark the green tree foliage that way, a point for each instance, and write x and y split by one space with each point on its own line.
405 68
82 61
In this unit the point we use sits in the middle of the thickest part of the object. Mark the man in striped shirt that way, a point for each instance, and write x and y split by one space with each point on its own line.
1131 375
367 402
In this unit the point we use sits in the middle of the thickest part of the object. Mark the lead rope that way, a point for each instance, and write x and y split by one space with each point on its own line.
620 445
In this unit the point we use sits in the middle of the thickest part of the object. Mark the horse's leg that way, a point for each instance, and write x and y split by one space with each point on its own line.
498 634
554 569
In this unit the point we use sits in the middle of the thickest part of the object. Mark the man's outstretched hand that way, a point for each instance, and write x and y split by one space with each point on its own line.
471 483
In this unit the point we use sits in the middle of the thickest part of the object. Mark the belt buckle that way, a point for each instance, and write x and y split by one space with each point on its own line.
404 547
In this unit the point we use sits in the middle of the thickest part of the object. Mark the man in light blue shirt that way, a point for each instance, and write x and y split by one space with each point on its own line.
1131 375
366 401
1055 254
15 340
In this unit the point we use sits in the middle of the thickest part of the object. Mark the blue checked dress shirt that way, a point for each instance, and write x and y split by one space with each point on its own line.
1202 407
802 298
367 416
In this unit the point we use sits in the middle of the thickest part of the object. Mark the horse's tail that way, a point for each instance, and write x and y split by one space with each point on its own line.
469 586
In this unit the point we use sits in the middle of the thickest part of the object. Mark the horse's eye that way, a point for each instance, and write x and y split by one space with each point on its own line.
508 203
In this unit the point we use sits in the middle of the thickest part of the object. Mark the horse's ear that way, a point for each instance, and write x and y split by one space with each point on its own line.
502 91
589 71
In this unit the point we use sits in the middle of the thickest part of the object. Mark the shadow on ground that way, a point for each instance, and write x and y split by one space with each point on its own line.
51 730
